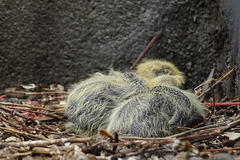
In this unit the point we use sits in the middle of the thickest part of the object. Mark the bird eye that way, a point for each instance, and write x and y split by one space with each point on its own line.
157 73
164 70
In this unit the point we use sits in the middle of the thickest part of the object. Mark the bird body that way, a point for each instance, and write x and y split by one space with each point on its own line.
147 102
90 103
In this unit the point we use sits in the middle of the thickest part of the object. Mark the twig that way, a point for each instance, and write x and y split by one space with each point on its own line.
217 82
116 140
44 151
196 137
231 125
103 132
146 49
221 149
3 96
212 110
227 128
25 105
46 142
196 129
13 90
12 111
48 127
49 115
200 136
44 131
15 155
53 99
203 138
60 106
22 149
223 104
162 140
25 134
55 133
3 119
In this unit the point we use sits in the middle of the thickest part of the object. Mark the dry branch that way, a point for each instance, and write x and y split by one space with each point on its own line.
146 49
217 82
13 90
26 105
15 155
21 133
40 143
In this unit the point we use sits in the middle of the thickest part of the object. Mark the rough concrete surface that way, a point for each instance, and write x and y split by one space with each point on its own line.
228 45
65 41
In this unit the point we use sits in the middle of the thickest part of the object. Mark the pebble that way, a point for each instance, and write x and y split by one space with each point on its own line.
28 158
168 157
196 158
222 156
237 144
237 158
181 156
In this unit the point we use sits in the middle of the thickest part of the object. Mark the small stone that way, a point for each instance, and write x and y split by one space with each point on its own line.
181 156
196 158
237 158
168 157
28 158
222 156
237 144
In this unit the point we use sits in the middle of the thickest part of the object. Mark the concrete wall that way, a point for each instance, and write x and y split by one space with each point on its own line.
65 41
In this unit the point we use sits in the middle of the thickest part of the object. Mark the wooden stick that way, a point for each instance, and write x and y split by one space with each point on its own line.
221 149
13 90
217 82
12 111
146 49
25 134
46 142
15 155
197 129
212 110
25 105
223 104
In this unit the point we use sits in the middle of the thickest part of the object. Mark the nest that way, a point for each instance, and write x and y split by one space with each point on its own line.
31 127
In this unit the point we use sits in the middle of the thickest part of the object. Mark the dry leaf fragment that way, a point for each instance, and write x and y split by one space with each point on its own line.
232 136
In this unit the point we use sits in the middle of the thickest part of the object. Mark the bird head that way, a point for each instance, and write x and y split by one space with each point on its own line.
155 68
157 72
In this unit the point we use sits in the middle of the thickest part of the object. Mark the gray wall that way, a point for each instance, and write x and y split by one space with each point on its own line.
65 41
228 43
